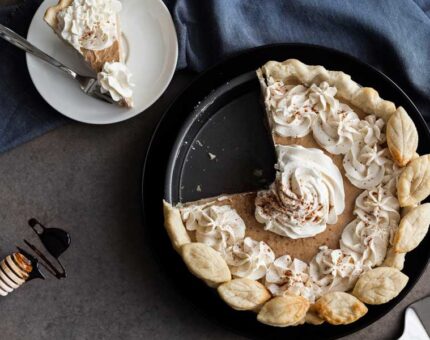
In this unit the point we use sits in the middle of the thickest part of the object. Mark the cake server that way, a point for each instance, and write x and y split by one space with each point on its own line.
89 85
417 321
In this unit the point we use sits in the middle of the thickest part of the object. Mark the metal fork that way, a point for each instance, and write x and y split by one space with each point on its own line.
88 85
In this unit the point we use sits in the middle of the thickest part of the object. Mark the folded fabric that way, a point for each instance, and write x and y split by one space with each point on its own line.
23 113
393 36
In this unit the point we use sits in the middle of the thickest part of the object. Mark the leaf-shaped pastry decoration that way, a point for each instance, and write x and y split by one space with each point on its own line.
393 259
243 294
379 285
402 137
283 311
205 263
339 308
414 182
413 228
174 226
312 317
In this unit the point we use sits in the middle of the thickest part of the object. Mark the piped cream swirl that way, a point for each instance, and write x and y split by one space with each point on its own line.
115 79
364 163
336 130
367 237
287 276
334 270
307 195
249 258
217 226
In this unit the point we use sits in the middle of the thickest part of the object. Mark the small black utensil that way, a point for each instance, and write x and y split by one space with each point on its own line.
56 241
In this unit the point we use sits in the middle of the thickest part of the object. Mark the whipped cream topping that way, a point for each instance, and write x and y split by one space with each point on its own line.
249 258
365 165
336 130
288 276
307 194
292 109
334 270
217 226
370 129
367 237
115 79
89 24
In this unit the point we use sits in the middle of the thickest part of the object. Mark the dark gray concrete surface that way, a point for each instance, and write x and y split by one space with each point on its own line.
86 179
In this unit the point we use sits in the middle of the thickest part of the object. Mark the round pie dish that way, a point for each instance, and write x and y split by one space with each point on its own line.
236 90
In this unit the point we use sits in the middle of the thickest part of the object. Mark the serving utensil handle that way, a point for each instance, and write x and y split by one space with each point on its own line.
18 41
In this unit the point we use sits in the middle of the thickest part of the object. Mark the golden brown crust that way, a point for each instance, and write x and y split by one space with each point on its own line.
414 182
50 16
393 259
413 228
379 285
244 294
205 263
402 137
339 308
283 311
174 226
294 71
312 316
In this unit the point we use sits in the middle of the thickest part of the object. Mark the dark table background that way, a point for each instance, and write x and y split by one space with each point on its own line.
86 179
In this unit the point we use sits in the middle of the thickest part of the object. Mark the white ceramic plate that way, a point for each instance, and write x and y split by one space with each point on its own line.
152 57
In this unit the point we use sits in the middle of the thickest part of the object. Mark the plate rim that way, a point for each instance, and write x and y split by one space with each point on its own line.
120 118
356 327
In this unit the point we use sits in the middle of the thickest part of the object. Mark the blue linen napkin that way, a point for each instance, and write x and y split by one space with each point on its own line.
24 115
393 36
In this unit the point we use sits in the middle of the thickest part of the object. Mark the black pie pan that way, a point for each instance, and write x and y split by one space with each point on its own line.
213 140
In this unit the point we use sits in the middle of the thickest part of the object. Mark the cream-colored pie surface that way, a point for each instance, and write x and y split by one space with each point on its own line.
332 213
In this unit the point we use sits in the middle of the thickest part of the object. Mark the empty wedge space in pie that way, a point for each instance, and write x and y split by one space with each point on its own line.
330 234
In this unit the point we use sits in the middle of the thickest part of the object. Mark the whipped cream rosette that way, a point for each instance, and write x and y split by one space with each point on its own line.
367 237
307 194
292 109
216 226
249 258
287 276
115 79
336 130
365 165
334 270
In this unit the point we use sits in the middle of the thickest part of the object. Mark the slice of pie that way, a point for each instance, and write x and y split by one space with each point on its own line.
331 222
92 28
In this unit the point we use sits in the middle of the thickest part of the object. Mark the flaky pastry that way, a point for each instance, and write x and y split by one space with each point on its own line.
414 182
205 263
402 137
339 308
283 311
412 229
379 285
244 294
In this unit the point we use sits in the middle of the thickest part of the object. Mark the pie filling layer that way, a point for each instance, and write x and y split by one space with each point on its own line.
332 211
92 28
